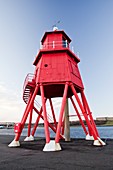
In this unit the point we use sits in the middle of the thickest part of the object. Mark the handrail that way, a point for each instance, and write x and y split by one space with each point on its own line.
29 78
37 104
55 44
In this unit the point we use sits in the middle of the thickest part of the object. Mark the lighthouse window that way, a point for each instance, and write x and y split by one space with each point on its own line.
75 71
64 43
45 65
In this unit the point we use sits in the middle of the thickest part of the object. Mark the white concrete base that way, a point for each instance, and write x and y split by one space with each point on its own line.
52 146
99 142
29 138
88 137
14 144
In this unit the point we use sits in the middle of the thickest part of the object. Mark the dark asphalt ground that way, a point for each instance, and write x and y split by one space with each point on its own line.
75 155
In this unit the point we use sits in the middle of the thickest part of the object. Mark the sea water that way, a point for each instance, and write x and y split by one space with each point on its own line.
75 132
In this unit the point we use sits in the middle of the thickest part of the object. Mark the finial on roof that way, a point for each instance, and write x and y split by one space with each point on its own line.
55 28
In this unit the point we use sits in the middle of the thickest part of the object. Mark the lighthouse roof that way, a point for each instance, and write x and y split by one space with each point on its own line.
67 50
55 32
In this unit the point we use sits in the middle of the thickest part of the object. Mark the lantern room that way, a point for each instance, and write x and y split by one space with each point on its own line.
55 39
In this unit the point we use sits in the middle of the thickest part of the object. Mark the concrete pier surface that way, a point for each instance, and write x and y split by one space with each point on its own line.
77 154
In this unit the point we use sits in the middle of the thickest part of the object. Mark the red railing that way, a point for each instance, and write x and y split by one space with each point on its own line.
29 79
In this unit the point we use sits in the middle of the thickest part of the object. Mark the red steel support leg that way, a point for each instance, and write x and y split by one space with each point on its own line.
54 118
81 121
29 136
35 126
97 142
20 126
30 121
85 108
36 123
28 107
61 114
50 125
89 112
47 133
83 111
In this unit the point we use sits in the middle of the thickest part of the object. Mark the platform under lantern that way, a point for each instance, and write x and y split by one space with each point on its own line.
56 75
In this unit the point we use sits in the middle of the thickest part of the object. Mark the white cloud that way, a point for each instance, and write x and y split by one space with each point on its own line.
11 104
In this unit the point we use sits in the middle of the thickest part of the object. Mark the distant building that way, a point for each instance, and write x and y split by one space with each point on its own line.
104 118
110 118
101 118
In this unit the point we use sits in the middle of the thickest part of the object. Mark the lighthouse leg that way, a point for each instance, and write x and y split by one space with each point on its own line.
77 112
15 142
29 137
49 124
89 112
89 136
83 111
37 120
48 144
96 138
61 115
98 141
52 110
36 123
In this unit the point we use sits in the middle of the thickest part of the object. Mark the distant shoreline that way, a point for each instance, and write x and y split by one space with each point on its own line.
10 125
97 122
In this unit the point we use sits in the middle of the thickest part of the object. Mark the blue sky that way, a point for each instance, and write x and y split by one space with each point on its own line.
90 26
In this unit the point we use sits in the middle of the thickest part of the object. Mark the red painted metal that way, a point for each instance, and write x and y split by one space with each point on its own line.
17 128
90 127
26 113
47 133
86 111
35 126
37 121
29 105
56 75
52 110
30 121
89 113
61 113
49 124
81 121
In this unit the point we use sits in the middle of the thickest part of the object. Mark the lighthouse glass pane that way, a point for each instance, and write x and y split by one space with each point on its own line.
75 70
64 43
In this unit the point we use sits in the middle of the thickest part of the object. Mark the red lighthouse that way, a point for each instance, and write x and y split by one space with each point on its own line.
56 75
